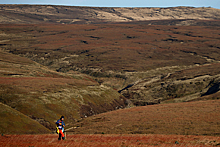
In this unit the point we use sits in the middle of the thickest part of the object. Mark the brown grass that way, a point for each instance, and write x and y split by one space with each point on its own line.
44 95
40 84
109 140
190 118
44 98
121 47
105 51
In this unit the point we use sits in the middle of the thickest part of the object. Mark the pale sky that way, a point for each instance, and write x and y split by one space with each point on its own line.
121 3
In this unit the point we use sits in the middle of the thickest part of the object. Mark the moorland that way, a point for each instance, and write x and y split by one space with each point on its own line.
153 70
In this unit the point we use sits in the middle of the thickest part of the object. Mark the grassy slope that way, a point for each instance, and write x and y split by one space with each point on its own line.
190 118
108 52
45 95
14 122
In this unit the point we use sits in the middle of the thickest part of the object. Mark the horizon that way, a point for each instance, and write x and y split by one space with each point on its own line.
111 6
118 4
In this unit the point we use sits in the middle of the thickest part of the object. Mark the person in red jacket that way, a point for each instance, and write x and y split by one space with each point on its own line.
60 124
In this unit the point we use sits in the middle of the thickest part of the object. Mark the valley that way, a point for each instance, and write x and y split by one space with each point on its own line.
110 71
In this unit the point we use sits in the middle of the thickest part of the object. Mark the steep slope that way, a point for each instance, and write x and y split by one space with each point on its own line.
26 14
190 118
44 95
14 122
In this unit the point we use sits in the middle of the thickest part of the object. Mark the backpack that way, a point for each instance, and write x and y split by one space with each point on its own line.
57 130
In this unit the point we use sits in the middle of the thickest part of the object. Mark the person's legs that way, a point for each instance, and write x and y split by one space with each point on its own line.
59 136
63 136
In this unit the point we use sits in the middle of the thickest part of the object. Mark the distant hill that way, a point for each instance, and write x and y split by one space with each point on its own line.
35 14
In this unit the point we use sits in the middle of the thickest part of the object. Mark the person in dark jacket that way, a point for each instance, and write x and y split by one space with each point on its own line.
60 124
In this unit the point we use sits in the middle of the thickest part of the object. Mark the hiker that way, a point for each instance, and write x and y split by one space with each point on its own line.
61 125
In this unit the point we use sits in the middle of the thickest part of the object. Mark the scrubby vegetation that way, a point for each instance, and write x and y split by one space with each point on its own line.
44 95
79 70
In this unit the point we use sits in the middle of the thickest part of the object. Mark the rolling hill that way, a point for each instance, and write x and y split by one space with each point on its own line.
189 118
43 95
146 64
35 14
83 61
9 123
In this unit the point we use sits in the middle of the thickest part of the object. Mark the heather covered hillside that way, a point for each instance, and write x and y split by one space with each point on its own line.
189 118
40 96
146 64
83 61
